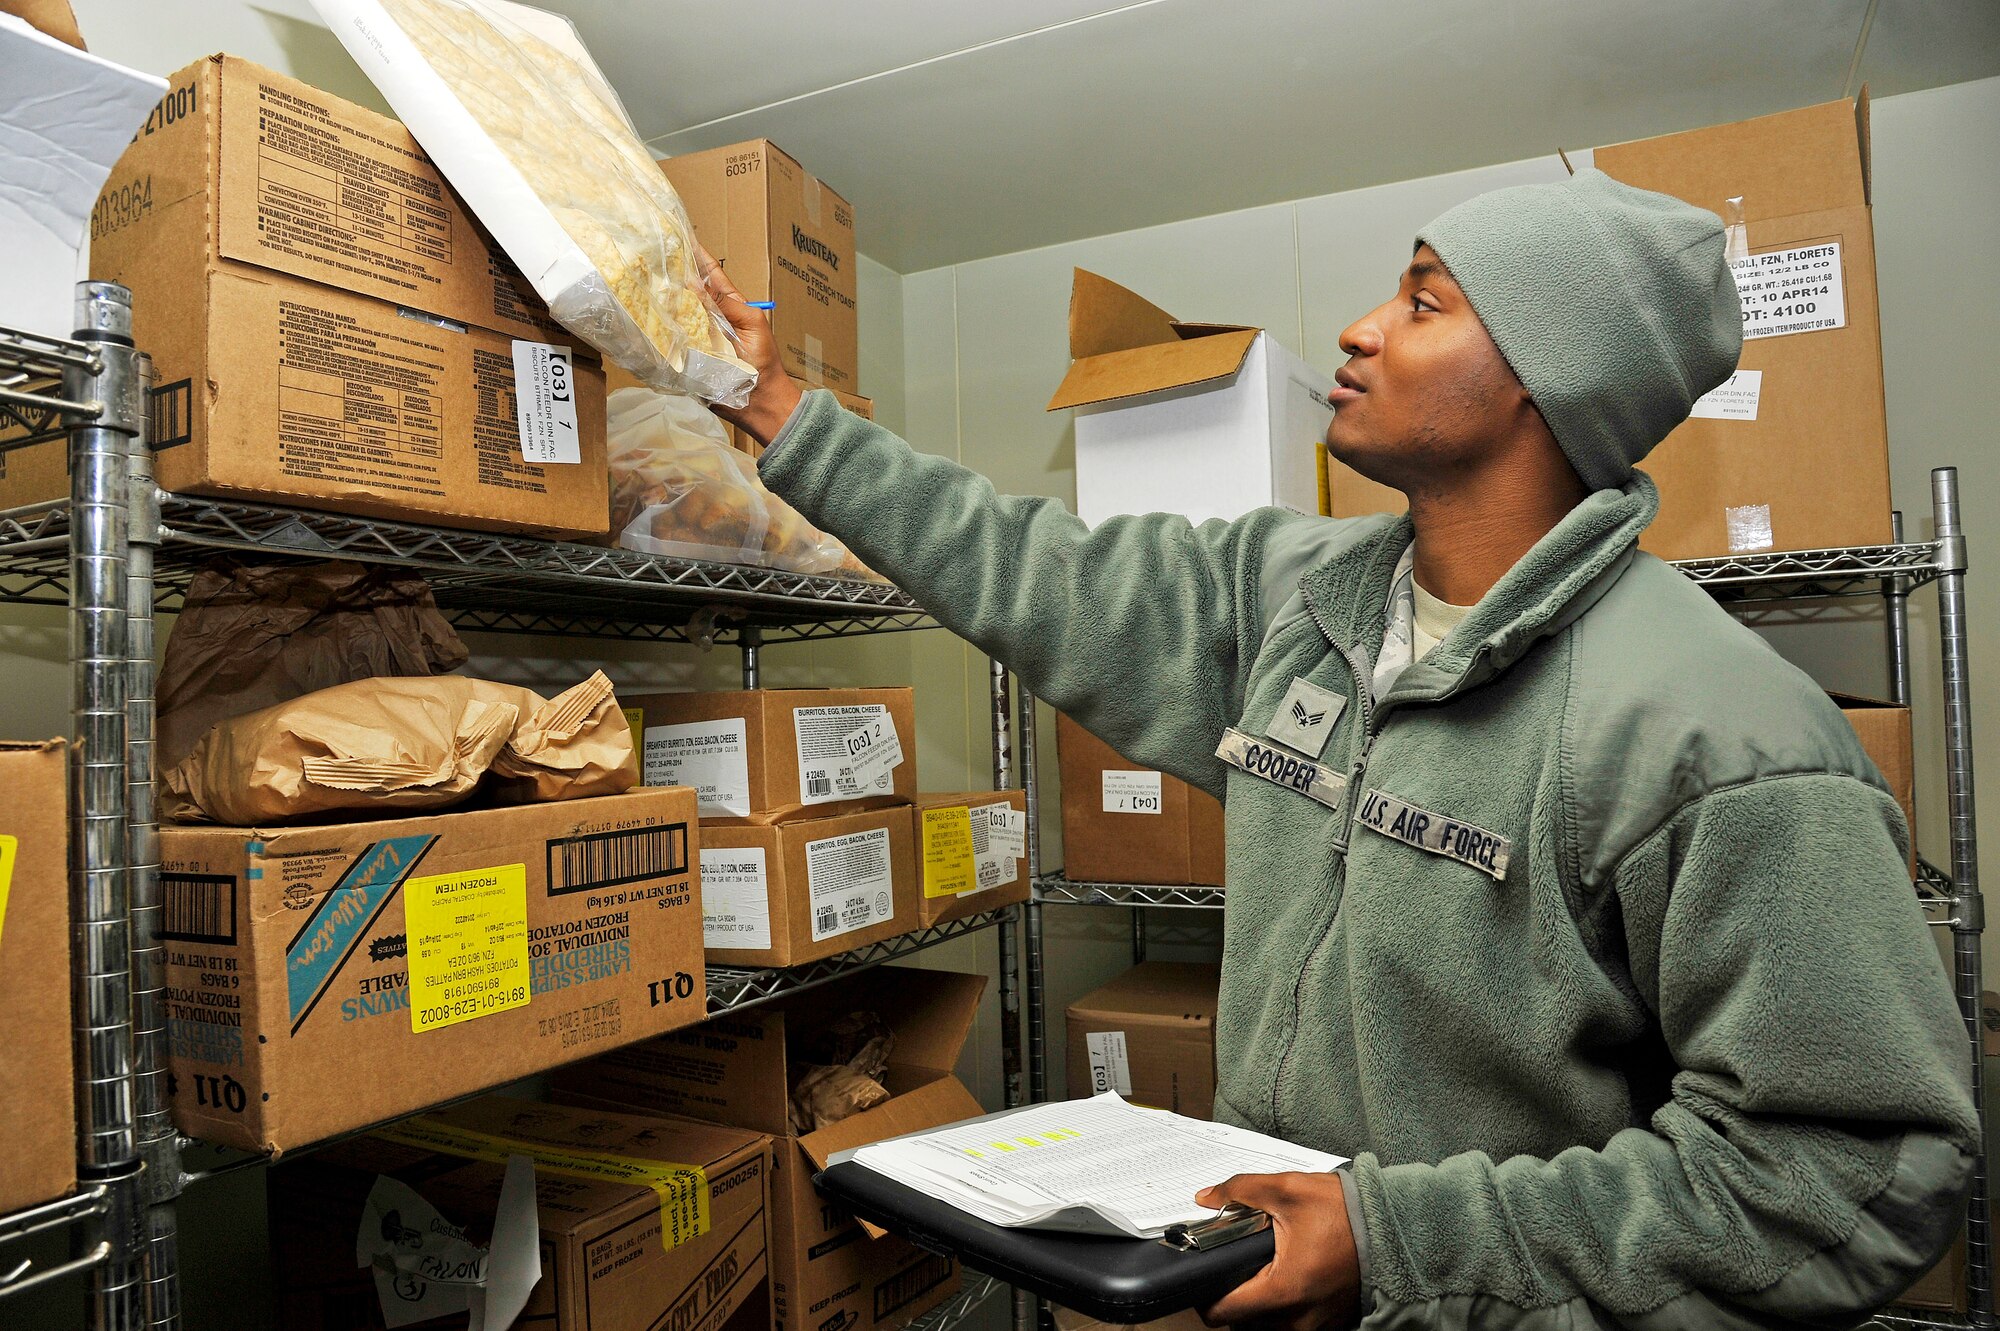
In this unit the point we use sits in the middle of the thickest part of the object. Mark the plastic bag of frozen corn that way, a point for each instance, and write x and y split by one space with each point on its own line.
509 104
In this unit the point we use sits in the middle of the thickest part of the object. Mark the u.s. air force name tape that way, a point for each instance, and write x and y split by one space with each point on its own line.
1316 781
1402 821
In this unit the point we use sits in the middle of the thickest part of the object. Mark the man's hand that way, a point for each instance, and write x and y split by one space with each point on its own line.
775 396
1314 1280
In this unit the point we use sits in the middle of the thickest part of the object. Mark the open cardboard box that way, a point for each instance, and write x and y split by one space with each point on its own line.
827 1267
1204 420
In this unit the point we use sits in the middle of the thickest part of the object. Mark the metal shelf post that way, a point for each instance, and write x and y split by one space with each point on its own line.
1968 908
100 897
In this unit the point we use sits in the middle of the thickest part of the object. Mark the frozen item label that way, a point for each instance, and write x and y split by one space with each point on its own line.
1794 290
9 848
873 753
826 767
1110 1065
711 756
847 882
735 898
1733 400
949 852
1132 792
545 403
468 942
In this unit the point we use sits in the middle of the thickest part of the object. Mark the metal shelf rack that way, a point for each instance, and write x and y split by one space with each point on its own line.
116 551
1950 900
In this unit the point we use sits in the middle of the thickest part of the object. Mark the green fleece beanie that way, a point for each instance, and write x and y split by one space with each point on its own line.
1614 305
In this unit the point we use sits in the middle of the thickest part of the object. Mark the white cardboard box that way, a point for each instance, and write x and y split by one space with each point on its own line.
1204 420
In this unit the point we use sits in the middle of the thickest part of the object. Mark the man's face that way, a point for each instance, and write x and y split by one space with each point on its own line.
1425 394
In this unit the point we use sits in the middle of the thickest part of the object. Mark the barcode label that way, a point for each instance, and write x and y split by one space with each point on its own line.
818 785
609 859
824 922
198 908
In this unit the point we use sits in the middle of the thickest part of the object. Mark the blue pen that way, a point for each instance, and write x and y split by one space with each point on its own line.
762 304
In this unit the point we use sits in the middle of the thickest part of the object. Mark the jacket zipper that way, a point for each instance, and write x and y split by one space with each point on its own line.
1364 695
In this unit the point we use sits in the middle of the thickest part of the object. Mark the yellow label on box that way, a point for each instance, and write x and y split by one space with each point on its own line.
948 865
9 846
468 944
682 1189
635 719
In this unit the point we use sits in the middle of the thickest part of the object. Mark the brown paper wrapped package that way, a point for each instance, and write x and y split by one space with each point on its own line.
253 636
381 746
847 1063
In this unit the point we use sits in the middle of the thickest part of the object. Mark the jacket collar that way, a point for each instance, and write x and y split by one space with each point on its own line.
1562 576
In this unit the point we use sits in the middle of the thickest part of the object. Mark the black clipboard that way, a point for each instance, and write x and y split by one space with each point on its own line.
1116 1280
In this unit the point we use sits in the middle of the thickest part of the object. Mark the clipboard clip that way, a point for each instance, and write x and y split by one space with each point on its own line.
1231 1223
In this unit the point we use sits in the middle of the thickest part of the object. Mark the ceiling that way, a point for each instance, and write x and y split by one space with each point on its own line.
961 130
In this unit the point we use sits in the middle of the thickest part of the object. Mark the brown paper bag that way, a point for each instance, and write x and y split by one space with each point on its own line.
377 747
251 636
575 745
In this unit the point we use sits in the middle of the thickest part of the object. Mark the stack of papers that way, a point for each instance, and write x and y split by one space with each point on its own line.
1097 1166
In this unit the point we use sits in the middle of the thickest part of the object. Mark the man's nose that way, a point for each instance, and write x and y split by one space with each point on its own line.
1363 337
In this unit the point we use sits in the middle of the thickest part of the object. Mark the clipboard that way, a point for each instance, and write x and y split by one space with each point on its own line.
1116 1280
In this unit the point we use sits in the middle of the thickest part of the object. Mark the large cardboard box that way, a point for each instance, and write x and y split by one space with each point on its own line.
971 853
784 237
328 326
775 755
1793 454
785 894
830 1273
39 1161
1884 731
320 979
608 1260
1123 823
1205 420
1150 1036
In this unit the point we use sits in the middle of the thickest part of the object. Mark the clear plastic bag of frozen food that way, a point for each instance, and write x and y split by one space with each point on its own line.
511 107
678 488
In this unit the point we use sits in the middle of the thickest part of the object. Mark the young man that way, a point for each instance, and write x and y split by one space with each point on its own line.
1559 901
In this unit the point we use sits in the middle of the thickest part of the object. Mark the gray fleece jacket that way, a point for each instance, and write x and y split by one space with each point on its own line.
1591 940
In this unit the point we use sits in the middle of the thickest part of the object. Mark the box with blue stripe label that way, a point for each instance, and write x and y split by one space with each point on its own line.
321 979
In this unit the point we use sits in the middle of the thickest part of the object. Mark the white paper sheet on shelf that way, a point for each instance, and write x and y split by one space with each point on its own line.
1096 1166
65 116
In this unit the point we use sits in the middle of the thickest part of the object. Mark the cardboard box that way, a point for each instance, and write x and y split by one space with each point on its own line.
828 1270
39 1162
1205 420
328 327
775 755
789 893
605 1266
1884 731
784 237
1799 459
1125 824
1150 1036
294 1012
964 840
